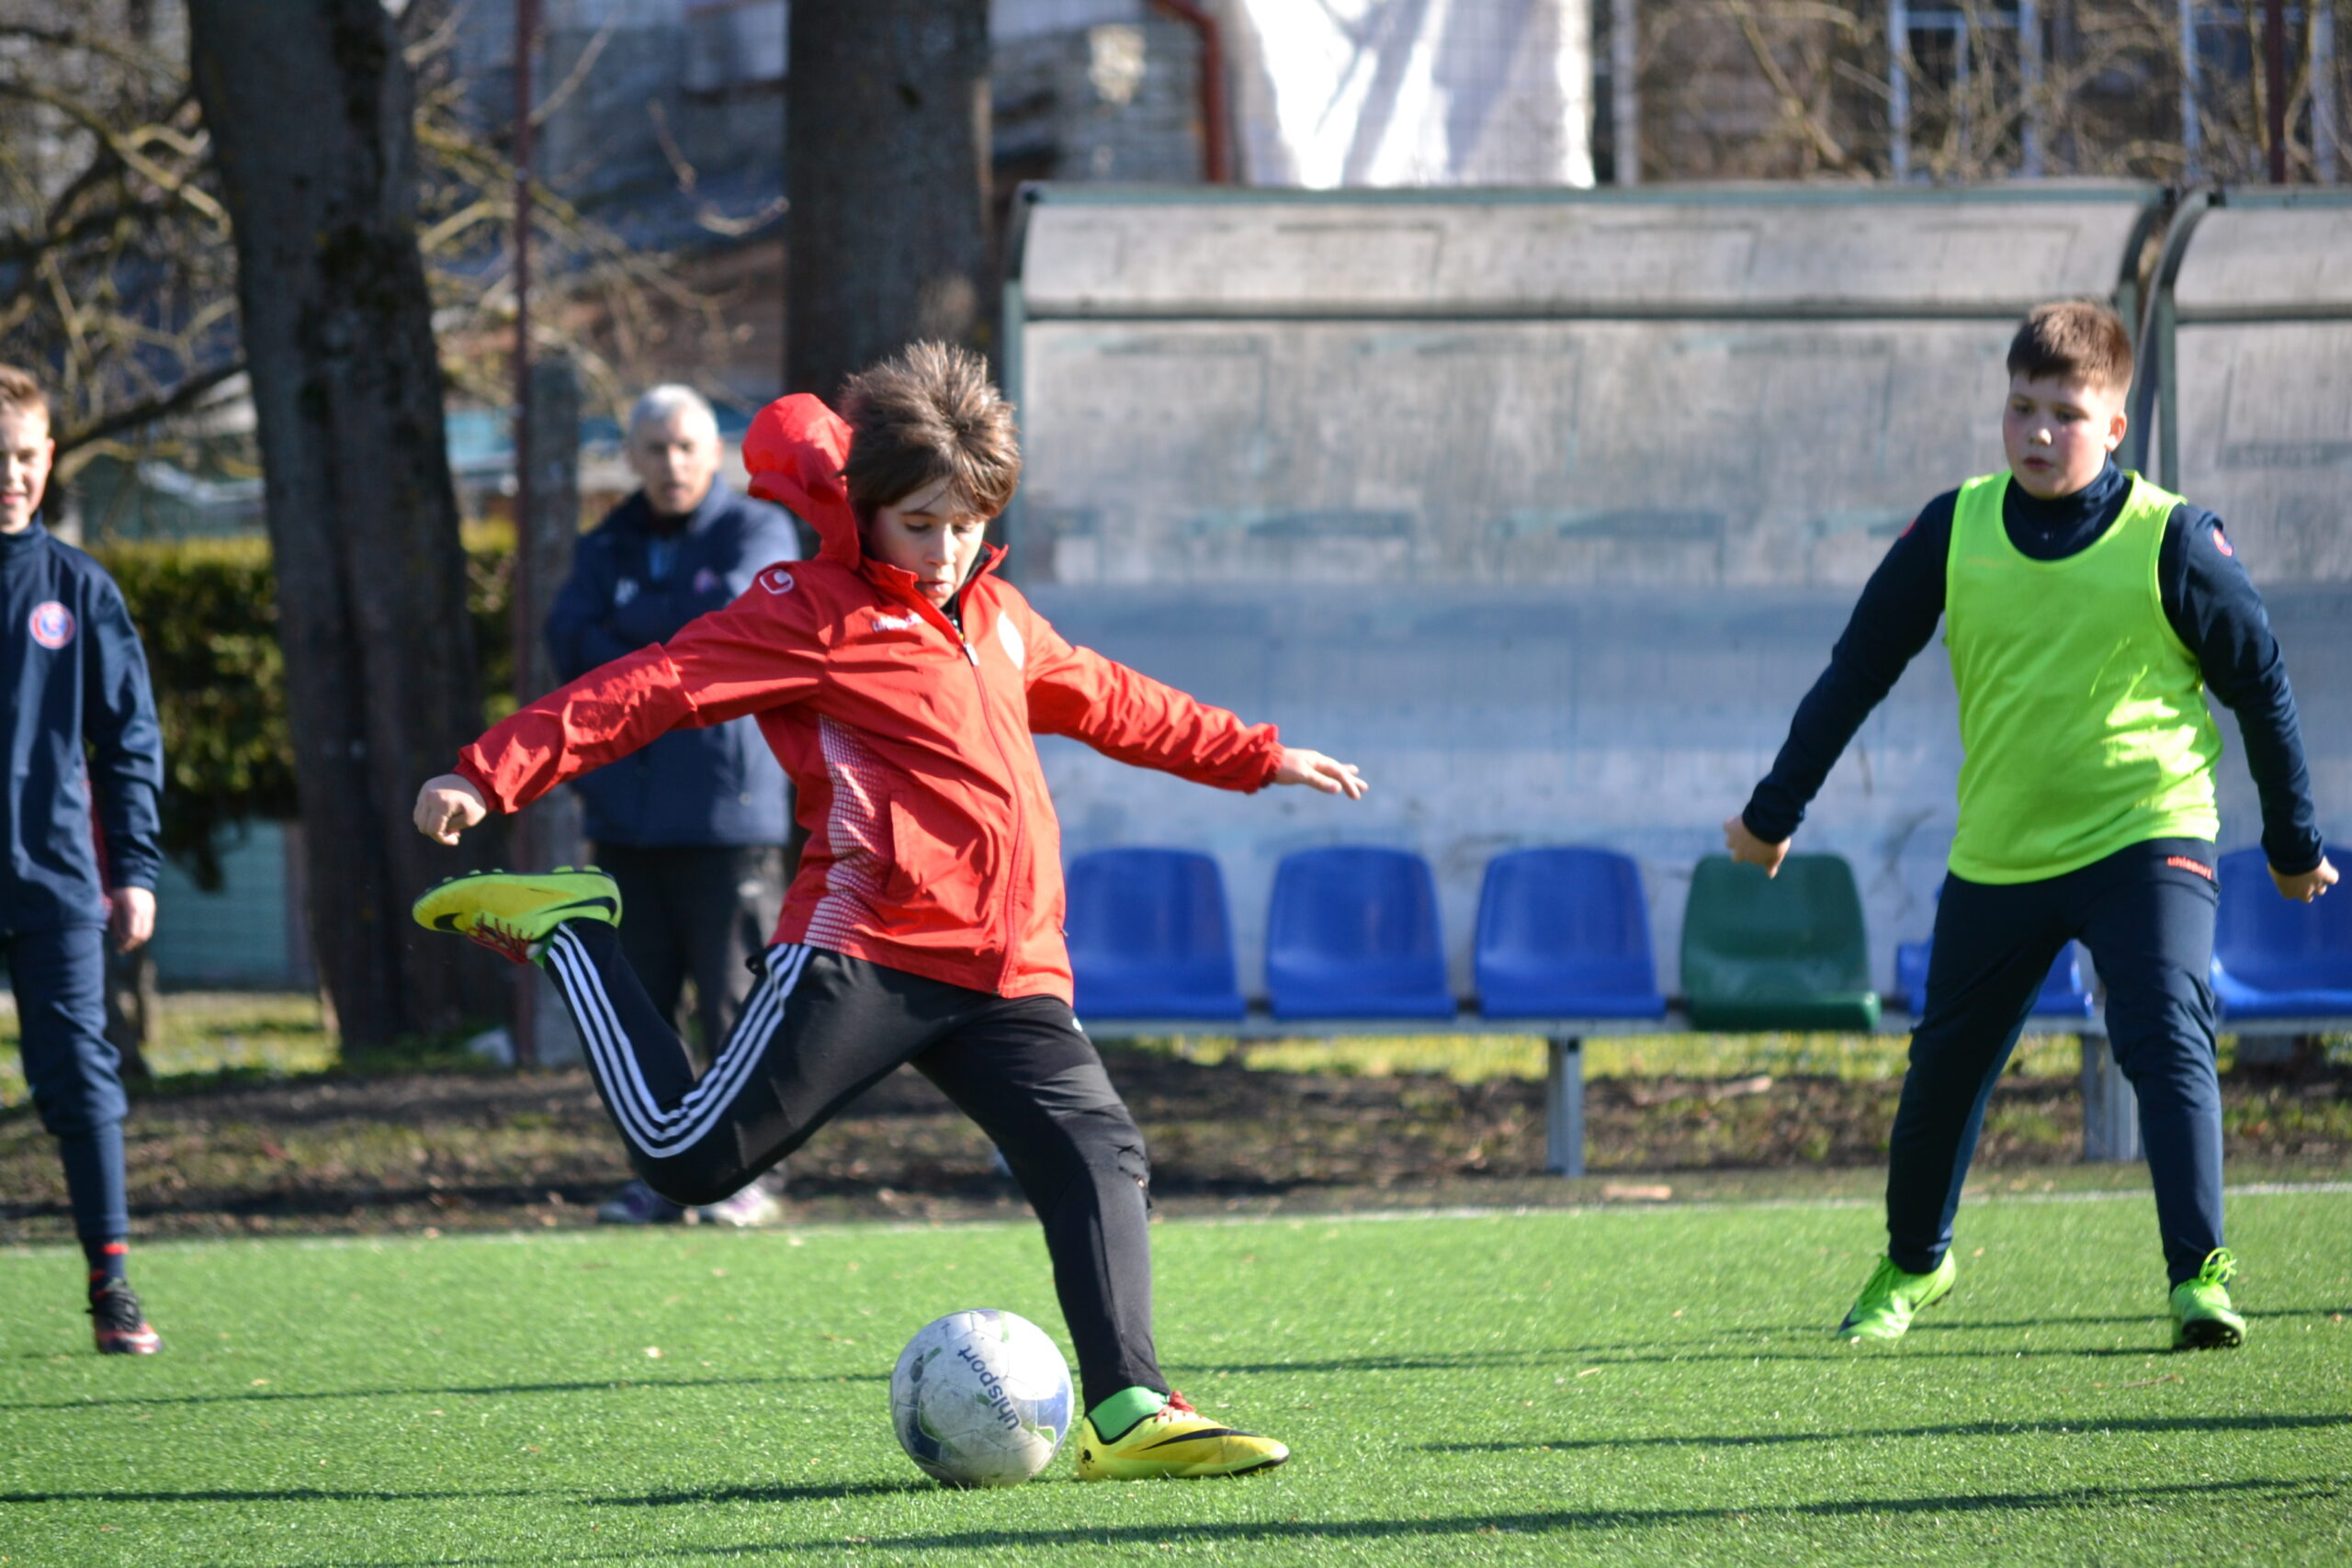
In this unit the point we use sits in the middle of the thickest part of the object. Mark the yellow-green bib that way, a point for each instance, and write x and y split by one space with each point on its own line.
2082 715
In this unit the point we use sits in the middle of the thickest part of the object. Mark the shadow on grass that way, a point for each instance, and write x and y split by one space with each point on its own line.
2261 1489
2086 1426
835 1492
1818 1347
605 1385
266 1495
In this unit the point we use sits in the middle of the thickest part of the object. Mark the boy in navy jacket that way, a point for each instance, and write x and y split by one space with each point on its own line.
80 727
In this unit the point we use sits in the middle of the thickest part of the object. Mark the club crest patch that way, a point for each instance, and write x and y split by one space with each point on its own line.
2221 543
52 624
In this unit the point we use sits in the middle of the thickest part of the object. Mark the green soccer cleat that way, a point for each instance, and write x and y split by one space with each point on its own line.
2202 1317
512 912
1889 1300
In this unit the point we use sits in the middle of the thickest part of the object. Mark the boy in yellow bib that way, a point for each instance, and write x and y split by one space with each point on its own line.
2087 613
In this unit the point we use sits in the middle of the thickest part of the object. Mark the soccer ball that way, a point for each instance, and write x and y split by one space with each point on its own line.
980 1399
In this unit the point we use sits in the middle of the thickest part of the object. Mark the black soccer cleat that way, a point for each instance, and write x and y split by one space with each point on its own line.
119 1328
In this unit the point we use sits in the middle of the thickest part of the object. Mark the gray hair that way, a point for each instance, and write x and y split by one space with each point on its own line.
666 403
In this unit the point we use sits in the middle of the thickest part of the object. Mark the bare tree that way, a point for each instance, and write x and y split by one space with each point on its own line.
1979 90
308 109
887 145
115 270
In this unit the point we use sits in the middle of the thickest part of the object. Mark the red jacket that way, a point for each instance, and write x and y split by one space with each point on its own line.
933 845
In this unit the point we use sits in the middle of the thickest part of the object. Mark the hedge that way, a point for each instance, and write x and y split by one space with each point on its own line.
206 610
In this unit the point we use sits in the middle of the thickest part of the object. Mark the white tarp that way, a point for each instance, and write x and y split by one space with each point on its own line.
1413 92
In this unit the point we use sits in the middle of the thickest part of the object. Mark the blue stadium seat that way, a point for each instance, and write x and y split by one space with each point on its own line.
1353 933
2064 994
1565 933
2274 959
1149 936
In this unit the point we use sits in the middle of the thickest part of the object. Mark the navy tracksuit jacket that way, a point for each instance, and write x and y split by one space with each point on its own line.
76 678
80 723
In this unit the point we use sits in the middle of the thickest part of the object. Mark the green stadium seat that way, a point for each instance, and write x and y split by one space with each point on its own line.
1777 953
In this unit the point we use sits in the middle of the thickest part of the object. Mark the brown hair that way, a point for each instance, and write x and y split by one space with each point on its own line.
927 413
2080 340
20 392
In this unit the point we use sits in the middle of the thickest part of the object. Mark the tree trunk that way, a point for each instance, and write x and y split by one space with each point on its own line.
308 109
886 150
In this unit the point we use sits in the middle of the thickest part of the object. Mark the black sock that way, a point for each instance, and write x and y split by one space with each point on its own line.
107 1261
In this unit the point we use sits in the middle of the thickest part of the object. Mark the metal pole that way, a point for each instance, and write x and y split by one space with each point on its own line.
1564 1106
2111 1110
1626 89
2192 129
519 628
1216 158
2274 84
1898 88
2030 69
2324 130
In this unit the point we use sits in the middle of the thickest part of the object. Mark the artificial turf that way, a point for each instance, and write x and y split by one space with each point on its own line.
1643 1387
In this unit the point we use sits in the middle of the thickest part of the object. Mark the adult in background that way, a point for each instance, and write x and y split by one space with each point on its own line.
692 827
83 747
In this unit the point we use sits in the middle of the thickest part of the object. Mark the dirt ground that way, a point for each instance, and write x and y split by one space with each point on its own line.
451 1151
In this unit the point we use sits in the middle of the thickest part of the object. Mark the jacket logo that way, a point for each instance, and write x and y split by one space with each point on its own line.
883 622
52 624
775 579
2221 543
1015 649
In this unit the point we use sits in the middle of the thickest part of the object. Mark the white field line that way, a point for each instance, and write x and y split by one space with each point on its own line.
795 1235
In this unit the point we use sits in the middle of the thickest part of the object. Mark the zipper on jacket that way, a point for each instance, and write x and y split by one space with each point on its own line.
938 617
1019 814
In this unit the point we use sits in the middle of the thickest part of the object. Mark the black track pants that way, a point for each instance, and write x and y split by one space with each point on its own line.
2146 913
817 1030
702 911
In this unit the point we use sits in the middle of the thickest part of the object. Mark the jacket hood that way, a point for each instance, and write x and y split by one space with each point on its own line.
795 451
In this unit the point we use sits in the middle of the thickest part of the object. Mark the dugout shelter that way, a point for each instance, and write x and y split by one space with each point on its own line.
1545 507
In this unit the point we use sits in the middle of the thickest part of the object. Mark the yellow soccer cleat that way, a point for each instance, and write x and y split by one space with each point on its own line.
511 912
1175 1443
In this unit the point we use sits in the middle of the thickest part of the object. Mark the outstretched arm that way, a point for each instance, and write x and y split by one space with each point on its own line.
1892 622
2218 614
756 653
1128 716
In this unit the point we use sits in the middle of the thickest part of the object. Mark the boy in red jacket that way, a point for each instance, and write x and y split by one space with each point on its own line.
899 681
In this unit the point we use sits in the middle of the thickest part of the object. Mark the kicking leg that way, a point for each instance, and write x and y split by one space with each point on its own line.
817 1030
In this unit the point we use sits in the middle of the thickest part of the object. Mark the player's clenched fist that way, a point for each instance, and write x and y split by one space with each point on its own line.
447 806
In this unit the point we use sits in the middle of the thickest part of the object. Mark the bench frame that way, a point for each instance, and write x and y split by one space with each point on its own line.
2110 1111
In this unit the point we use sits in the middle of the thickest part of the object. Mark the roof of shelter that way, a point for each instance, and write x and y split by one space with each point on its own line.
1730 250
